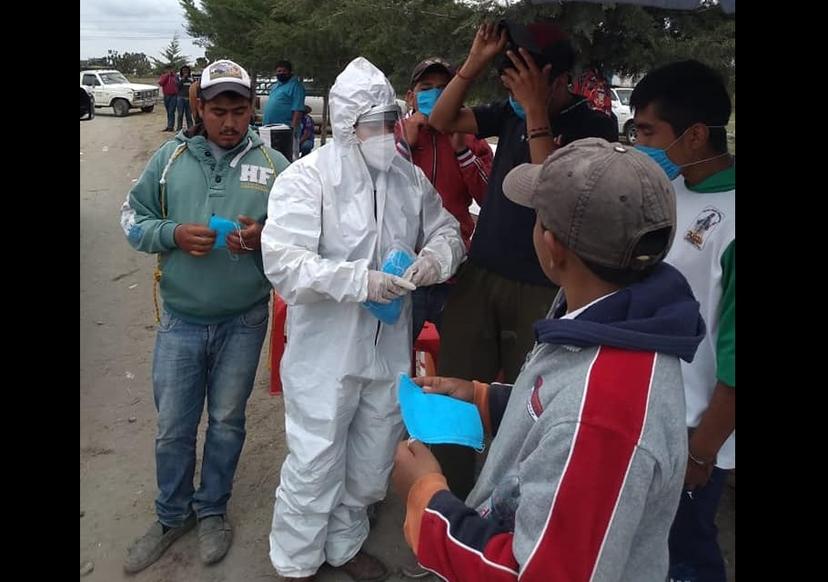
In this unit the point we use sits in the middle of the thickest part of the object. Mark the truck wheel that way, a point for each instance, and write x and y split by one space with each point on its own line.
120 107
630 132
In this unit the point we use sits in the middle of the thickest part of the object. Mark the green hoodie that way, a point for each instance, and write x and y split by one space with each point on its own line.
218 286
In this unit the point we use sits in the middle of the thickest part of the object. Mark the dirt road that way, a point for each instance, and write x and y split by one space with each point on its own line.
117 323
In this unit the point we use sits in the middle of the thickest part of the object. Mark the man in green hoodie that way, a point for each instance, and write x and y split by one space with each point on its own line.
215 298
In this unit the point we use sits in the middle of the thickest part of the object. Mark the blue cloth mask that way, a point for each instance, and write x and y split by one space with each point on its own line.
437 419
426 100
670 168
282 78
223 227
517 108
396 264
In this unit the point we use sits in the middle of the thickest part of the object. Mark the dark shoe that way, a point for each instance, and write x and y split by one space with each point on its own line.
302 579
214 538
152 545
412 568
364 568
168 129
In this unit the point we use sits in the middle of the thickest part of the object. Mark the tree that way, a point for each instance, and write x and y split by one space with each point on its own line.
321 36
171 57
129 63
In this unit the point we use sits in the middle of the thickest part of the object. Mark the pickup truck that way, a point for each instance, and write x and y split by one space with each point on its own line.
111 89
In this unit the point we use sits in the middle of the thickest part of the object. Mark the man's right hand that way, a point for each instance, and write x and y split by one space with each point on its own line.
487 45
412 125
454 387
195 239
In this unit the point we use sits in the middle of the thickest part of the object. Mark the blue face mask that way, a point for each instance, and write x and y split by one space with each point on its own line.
517 108
436 419
426 100
223 227
283 77
670 168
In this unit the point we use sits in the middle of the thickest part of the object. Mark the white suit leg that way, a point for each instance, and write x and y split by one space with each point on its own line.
318 413
372 440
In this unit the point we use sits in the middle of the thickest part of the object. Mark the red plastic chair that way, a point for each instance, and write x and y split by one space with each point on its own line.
277 343
426 351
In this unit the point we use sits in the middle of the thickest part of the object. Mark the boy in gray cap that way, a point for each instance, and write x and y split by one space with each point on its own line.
587 463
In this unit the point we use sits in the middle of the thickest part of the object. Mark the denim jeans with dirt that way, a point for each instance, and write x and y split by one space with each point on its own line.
194 362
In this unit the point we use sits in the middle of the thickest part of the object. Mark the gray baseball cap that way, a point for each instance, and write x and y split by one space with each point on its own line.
600 199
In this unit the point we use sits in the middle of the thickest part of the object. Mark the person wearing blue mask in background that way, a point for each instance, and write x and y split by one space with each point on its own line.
457 165
501 290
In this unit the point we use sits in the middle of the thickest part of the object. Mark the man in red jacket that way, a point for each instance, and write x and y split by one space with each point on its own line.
457 164
169 87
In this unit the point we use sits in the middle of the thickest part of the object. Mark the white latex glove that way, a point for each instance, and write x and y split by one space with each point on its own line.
382 287
424 271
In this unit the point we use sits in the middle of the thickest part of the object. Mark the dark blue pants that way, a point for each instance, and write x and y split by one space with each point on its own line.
170 102
695 555
427 304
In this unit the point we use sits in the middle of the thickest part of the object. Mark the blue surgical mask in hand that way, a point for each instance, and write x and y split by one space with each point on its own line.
437 419
223 227
396 263
426 100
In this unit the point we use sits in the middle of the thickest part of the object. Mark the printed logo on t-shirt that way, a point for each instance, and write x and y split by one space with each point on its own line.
703 225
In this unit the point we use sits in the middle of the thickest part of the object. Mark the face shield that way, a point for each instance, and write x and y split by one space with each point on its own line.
377 132
383 146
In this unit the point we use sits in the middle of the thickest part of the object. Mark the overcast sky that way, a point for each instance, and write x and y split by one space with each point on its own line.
135 26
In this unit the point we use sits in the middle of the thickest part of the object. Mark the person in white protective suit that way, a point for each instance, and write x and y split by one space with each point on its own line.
333 218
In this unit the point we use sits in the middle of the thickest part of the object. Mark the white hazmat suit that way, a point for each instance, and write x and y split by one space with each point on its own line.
329 222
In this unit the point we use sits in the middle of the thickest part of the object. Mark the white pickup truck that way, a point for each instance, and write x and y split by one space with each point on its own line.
111 89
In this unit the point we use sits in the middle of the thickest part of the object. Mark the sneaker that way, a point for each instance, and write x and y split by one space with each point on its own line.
364 568
214 538
167 129
152 545
412 569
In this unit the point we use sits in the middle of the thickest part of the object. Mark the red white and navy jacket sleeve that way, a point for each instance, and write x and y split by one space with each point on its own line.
579 499
475 163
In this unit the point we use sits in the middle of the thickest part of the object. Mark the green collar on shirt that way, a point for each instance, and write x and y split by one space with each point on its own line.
718 182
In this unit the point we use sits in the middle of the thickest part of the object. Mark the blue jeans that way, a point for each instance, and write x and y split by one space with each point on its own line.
170 102
191 362
427 304
184 111
305 147
695 555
